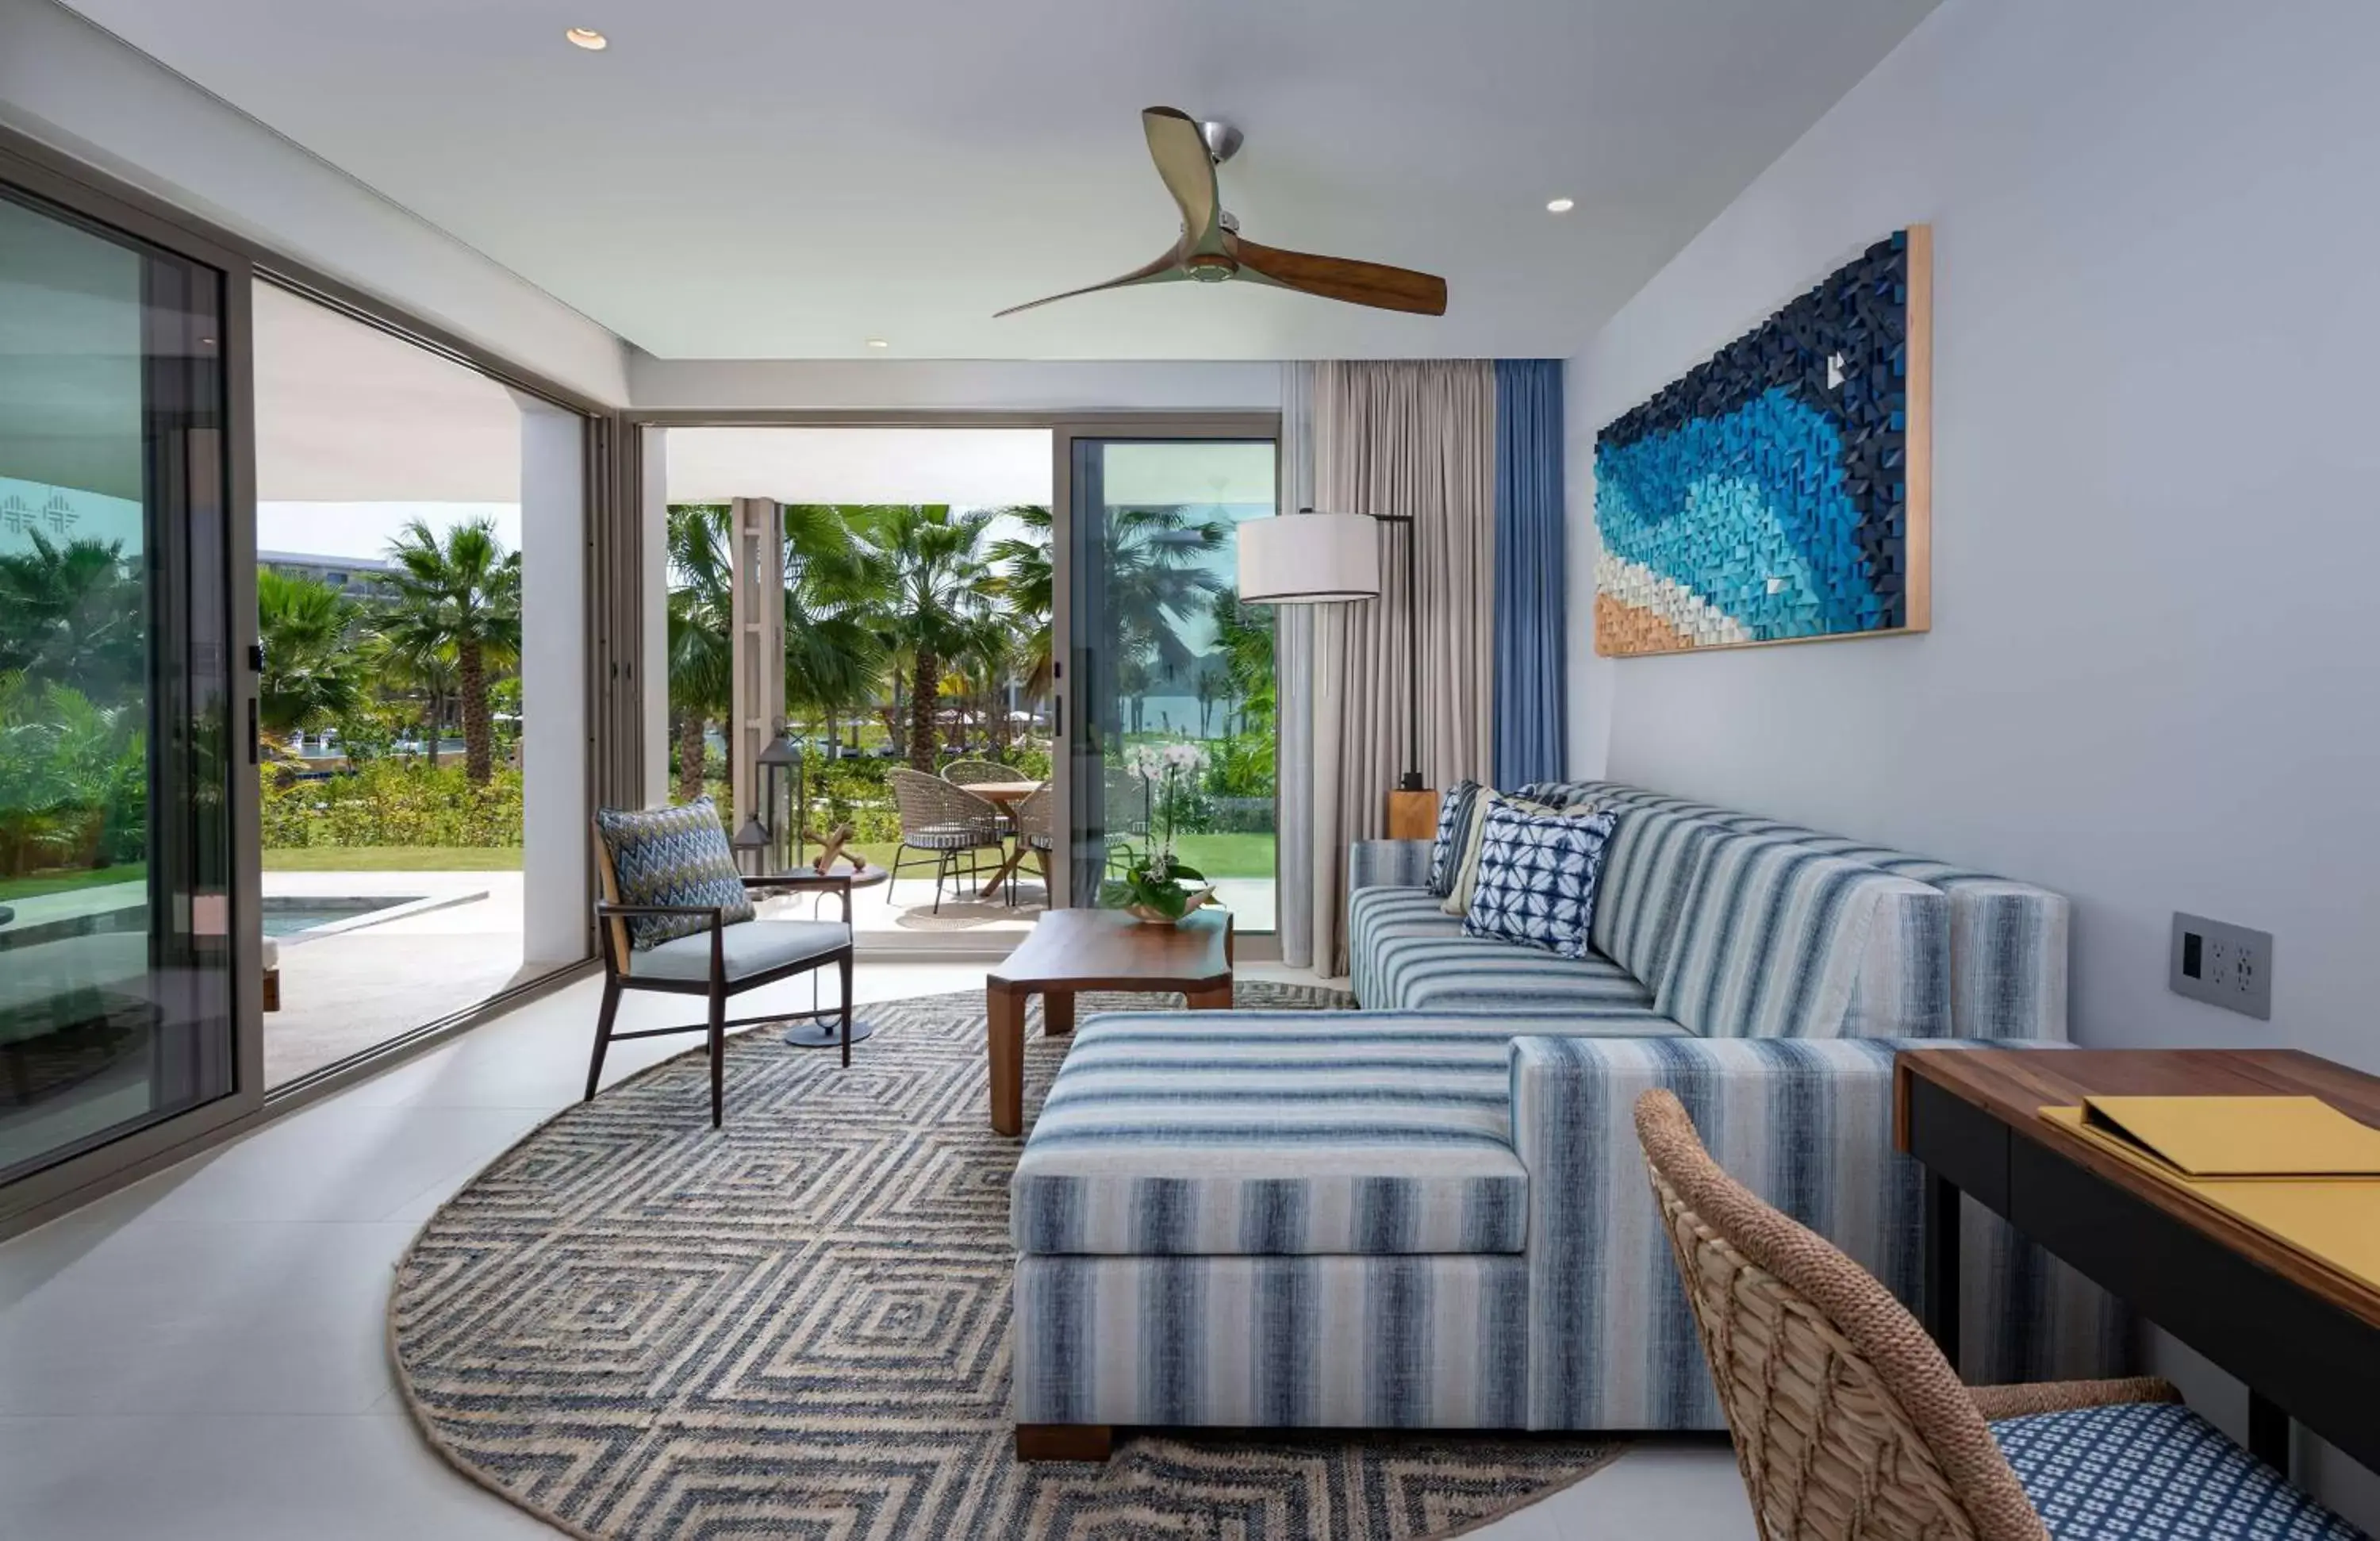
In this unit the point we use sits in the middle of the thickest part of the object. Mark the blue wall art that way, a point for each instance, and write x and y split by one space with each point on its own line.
1778 493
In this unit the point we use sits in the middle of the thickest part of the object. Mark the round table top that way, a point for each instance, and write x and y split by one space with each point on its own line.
866 878
1004 792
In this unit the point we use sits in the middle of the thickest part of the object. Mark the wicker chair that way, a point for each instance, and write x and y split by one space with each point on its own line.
975 773
1848 1422
1036 827
950 821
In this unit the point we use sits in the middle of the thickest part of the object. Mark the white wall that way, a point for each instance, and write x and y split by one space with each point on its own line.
934 384
555 847
2151 680
84 92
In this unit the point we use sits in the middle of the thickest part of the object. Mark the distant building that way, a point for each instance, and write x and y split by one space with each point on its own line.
362 577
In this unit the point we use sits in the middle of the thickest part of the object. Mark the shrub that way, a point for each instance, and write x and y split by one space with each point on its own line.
394 801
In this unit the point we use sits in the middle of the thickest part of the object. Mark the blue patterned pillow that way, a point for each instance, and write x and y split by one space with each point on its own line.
1453 830
1538 876
672 855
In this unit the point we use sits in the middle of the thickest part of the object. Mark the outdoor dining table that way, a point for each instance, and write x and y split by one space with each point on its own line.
1005 796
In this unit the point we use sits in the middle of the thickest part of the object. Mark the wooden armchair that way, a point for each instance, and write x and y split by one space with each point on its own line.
714 948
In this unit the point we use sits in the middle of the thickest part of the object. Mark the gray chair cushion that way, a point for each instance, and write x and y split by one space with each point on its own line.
752 947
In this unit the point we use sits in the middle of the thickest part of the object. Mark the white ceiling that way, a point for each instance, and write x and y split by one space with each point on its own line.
748 178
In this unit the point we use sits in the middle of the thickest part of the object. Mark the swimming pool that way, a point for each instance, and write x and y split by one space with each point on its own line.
296 915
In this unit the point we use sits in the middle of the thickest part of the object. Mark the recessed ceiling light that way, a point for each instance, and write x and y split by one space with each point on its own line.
1559 205
589 39
878 342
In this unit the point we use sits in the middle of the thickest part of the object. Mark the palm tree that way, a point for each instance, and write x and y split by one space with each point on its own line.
1028 583
464 588
700 676
934 564
1244 636
311 665
834 602
74 614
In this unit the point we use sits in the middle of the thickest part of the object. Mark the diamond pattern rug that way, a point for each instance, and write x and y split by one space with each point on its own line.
635 1325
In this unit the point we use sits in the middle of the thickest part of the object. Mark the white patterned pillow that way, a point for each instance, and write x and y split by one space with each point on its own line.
1538 876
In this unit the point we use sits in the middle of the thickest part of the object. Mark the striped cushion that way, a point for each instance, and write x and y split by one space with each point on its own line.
672 855
1453 825
951 837
2153 1472
2008 966
1777 940
1408 955
1651 865
1273 1133
1250 1342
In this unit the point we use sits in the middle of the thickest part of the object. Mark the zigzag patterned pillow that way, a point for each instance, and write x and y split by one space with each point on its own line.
1454 829
1538 875
672 855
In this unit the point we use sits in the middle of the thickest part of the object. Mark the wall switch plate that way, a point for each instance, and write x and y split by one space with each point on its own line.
2222 964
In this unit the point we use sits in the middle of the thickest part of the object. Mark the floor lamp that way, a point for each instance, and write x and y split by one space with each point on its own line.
1311 558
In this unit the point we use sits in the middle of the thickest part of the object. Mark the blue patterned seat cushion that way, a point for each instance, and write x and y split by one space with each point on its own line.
1274 1133
1538 875
1409 955
2153 1472
672 855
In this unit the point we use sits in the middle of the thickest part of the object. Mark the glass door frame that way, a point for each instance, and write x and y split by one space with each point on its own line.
1142 427
30 1198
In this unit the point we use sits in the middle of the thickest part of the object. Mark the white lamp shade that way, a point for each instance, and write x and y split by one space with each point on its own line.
1309 559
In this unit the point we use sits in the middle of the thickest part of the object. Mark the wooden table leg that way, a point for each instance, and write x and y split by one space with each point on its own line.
1005 1009
1015 858
1939 1290
1057 1013
1216 999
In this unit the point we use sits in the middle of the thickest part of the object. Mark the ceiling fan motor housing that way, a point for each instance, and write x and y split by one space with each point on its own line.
1210 267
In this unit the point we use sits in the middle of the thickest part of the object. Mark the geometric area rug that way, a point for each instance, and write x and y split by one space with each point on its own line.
633 1324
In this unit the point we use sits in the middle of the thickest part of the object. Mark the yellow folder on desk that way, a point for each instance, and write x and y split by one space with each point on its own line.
2240 1136
2280 1164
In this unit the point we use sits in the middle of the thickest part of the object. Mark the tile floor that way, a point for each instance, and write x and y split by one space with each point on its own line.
201 1356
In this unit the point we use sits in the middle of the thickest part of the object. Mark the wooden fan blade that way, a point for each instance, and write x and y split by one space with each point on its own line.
1165 270
1180 151
1358 283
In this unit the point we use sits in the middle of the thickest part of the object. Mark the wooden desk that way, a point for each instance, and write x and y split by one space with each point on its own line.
2303 1335
1077 950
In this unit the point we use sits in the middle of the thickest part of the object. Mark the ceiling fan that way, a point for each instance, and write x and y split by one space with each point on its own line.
1212 251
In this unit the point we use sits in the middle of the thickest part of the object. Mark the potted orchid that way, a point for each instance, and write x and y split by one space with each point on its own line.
1157 888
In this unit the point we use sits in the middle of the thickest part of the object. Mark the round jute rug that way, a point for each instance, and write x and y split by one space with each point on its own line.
635 1325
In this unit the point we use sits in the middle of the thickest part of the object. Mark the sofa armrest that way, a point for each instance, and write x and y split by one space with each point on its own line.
1807 1125
1388 864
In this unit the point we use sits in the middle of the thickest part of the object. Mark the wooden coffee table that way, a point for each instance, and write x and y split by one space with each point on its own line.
1078 949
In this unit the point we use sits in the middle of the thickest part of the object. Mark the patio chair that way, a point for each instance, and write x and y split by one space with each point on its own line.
677 917
950 821
1850 1425
1036 827
974 773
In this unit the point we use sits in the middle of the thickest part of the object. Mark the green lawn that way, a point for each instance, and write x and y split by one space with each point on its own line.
61 882
394 858
1227 855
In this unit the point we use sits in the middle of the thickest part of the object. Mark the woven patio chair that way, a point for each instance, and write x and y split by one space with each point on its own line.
974 773
1850 1424
950 821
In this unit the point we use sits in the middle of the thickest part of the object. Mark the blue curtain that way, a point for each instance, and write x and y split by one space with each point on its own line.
1531 698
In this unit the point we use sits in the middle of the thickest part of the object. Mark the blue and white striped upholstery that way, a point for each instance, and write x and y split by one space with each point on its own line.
1808 1127
1274 1132
1453 830
1388 864
1406 954
1272 1343
1777 940
2008 939
952 837
1648 874
2153 1472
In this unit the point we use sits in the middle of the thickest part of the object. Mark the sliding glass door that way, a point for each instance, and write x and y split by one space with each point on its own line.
117 646
1163 666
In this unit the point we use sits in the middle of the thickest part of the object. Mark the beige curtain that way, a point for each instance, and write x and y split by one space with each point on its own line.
1409 437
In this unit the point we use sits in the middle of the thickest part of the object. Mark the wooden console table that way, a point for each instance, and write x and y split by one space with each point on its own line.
1078 949
2304 1335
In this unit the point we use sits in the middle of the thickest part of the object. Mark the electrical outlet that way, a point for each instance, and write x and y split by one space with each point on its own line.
2222 964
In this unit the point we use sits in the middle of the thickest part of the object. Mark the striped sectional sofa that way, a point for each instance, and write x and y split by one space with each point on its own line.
1431 1212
